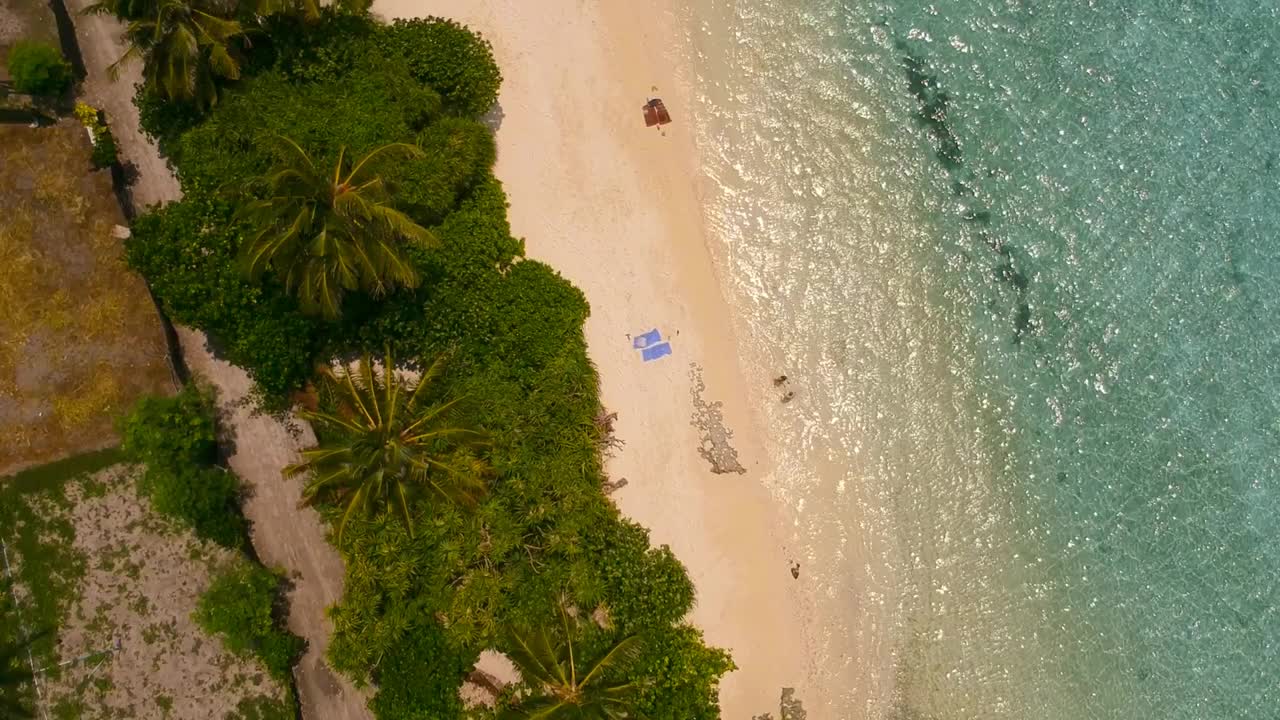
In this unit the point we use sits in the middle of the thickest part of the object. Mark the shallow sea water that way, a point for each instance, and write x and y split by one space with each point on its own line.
1022 263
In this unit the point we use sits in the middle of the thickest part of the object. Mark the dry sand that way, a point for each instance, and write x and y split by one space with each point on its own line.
614 207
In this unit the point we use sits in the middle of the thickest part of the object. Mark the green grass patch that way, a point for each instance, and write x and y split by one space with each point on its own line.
40 540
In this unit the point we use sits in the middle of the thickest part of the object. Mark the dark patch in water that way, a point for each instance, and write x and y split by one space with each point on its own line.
932 115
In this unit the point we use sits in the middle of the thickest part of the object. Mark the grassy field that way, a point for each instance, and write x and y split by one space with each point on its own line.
79 337
94 564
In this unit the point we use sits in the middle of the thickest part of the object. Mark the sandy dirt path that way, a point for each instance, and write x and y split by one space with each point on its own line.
100 45
284 535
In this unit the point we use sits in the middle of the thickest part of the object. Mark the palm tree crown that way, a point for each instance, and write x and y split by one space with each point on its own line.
184 45
309 10
325 233
566 685
390 441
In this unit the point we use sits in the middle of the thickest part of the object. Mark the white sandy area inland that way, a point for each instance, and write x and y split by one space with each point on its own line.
614 207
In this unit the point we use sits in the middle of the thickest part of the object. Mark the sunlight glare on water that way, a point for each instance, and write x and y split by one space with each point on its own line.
1022 260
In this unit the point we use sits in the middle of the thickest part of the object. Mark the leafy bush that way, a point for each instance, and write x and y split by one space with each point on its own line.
647 587
172 432
105 152
453 60
187 251
682 676
420 676
104 143
177 441
38 68
240 607
205 498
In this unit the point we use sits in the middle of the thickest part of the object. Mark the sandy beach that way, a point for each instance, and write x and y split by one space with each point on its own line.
615 208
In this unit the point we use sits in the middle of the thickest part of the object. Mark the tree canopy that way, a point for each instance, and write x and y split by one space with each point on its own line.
387 442
185 46
568 683
325 233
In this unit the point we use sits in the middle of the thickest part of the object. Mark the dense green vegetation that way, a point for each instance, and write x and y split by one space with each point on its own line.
389 442
38 68
176 439
424 597
567 683
240 607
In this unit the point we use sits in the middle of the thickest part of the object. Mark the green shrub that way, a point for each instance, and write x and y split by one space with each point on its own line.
104 144
453 60
207 499
240 607
419 678
457 155
176 439
647 587
187 252
172 432
681 676
38 68
105 153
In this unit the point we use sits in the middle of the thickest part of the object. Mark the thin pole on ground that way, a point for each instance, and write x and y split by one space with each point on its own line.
104 654
26 634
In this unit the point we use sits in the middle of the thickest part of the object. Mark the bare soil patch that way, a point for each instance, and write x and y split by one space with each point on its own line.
128 615
80 339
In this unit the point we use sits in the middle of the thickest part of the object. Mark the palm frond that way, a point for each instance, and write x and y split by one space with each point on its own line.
625 651
345 234
371 464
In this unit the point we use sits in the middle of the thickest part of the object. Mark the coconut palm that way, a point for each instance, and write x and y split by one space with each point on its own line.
391 441
184 45
309 10
124 10
566 685
325 233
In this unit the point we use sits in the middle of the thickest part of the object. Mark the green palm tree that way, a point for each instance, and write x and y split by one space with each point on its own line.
326 233
391 441
184 45
123 10
309 10
566 685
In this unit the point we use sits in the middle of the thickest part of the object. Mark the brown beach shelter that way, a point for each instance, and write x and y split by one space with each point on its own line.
655 113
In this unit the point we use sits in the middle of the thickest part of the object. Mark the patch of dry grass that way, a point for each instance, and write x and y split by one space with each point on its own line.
79 337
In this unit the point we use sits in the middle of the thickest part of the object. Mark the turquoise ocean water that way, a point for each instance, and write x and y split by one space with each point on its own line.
1022 262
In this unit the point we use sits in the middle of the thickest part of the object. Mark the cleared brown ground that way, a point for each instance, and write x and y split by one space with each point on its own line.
138 578
79 337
